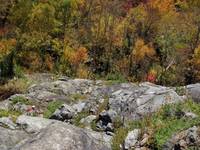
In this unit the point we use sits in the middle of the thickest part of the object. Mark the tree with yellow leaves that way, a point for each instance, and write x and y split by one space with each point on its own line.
141 57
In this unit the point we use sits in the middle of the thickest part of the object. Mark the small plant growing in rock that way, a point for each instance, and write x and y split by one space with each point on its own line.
77 97
51 108
117 123
180 91
22 100
94 125
118 139
10 113
104 105
76 120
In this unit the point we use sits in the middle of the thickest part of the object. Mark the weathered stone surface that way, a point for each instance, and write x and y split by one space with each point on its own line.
132 139
4 105
194 91
33 124
88 120
79 107
192 135
9 138
64 113
6 121
62 136
133 101
128 100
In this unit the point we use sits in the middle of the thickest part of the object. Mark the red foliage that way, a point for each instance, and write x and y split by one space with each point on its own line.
151 78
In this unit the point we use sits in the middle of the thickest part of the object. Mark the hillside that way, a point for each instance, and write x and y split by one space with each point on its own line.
79 114
99 74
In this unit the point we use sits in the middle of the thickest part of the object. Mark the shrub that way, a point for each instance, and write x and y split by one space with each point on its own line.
18 72
82 72
116 77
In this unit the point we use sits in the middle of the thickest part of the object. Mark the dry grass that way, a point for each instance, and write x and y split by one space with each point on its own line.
15 86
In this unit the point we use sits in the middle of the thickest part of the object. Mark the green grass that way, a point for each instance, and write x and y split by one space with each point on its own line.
180 90
114 78
119 137
22 100
162 124
10 113
51 108
171 127
76 120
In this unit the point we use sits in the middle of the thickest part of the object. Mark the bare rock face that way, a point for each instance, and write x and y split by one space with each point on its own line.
33 124
128 100
88 120
6 121
194 91
51 135
58 136
133 101
9 138
132 139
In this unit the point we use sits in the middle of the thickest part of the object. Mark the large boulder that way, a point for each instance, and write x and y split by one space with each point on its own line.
194 91
9 138
62 136
133 102
33 124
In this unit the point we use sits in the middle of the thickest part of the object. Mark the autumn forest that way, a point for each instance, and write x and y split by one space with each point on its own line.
126 40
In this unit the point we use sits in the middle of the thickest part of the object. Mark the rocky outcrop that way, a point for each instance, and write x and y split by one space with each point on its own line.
128 100
59 136
104 108
133 102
